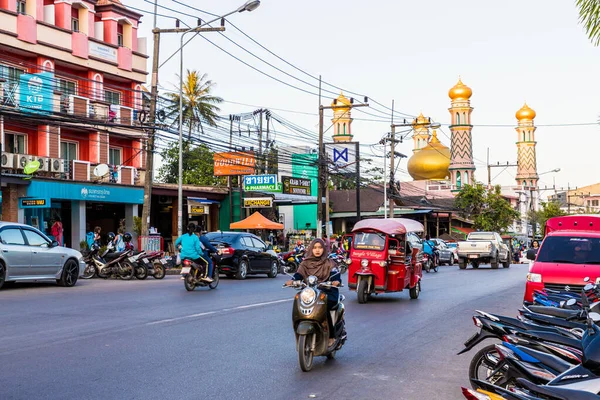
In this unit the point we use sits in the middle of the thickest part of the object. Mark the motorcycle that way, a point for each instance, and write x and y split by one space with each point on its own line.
141 271
429 263
193 273
291 260
340 262
312 322
117 267
153 263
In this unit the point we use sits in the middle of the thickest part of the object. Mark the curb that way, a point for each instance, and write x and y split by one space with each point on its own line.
173 271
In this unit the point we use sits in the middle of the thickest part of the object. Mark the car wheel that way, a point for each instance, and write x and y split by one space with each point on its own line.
451 263
69 275
242 270
2 274
495 262
462 264
274 270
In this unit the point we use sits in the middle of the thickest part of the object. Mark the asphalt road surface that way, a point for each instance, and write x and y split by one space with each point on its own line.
153 340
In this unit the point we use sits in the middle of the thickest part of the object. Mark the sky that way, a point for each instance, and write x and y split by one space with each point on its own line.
411 52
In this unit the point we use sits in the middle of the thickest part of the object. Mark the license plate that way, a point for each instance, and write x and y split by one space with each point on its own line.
132 259
185 270
163 261
145 261
473 256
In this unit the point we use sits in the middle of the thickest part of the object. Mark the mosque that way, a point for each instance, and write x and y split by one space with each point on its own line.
439 171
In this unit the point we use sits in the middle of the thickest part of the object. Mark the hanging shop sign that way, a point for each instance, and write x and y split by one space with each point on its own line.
299 186
36 93
260 182
197 210
34 203
234 163
258 202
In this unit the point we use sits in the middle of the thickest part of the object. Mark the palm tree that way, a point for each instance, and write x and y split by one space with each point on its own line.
199 105
589 17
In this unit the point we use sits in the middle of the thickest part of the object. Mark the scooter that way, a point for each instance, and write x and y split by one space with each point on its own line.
193 273
153 263
312 322
117 267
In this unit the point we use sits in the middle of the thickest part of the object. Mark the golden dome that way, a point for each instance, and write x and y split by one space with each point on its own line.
525 113
460 91
420 121
431 163
341 102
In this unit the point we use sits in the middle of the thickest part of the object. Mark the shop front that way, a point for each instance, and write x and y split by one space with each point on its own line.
79 207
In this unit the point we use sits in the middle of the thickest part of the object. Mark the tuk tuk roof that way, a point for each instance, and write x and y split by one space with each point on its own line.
578 222
389 226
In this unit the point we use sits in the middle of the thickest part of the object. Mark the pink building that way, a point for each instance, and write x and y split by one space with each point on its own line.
71 75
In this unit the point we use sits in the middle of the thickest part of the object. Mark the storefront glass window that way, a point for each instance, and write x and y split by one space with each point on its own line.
68 150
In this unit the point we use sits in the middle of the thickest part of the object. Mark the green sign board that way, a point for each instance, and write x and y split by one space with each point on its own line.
304 166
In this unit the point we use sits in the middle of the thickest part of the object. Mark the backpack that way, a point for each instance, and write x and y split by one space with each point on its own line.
120 243
89 238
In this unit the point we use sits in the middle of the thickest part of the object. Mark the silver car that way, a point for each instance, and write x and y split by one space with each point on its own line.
26 254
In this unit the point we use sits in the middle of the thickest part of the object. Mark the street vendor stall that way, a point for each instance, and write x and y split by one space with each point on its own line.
256 221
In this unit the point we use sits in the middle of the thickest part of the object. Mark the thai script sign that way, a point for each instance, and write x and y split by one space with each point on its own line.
234 163
102 51
260 182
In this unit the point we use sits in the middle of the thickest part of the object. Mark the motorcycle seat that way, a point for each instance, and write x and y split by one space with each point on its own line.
549 360
113 255
553 311
553 337
555 392
547 319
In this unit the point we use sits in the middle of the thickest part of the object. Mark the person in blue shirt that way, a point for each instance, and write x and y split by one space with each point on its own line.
207 248
429 248
191 249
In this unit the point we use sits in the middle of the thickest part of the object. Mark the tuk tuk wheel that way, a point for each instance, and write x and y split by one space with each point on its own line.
414 291
362 291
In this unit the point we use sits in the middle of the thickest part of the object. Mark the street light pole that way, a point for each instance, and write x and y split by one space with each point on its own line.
248 6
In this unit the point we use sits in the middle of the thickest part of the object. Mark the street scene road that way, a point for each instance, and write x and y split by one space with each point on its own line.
112 339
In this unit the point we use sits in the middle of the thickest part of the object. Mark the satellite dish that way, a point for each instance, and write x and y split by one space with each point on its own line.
31 167
101 170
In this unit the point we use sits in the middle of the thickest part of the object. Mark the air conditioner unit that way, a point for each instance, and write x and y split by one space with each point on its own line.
8 160
79 106
23 159
57 165
164 200
44 163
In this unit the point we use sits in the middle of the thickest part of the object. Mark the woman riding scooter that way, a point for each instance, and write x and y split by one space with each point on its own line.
318 264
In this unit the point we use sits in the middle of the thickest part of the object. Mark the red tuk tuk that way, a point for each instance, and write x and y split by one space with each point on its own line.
385 256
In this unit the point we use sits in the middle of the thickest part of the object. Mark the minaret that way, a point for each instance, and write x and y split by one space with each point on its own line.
420 133
462 168
342 119
526 157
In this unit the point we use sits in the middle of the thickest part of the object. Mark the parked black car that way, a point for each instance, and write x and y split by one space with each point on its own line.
243 254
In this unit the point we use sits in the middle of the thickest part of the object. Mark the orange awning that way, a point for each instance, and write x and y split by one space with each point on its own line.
256 221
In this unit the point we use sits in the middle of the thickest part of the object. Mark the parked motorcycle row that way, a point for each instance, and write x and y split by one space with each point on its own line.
124 264
290 261
550 351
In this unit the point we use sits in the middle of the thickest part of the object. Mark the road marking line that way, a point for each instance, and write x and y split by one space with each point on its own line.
223 311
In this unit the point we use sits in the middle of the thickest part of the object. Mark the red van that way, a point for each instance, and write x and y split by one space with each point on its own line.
569 253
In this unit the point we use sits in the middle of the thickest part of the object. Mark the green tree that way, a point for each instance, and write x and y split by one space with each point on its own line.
589 17
488 210
199 105
197 167
548 210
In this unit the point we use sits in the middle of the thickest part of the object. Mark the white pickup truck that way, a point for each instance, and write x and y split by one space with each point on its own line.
483 247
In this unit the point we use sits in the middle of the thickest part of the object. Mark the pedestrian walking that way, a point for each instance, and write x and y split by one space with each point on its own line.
57 231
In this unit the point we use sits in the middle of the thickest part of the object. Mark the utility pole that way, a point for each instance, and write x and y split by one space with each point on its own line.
268 142
393 142
148 176
323 214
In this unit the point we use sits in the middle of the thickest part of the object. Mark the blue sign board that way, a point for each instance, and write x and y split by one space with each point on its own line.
36 93
260 180
76 191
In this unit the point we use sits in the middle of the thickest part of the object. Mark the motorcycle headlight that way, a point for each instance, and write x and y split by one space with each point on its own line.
308 296
348 261
364 263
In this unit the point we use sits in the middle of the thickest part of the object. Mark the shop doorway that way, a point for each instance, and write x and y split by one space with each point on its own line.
105 215
44 218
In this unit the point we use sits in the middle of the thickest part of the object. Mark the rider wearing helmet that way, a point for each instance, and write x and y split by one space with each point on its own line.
208 248
191 249
299 247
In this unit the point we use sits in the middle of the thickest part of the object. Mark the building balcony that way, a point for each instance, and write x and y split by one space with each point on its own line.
74 170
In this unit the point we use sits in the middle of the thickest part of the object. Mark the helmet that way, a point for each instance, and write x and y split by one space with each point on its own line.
110 236
299 242
127 237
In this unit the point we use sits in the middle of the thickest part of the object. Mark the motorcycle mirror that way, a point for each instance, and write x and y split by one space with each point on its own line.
586 279
571 302
594 316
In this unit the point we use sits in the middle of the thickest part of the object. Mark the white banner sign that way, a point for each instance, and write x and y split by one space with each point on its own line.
341 156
